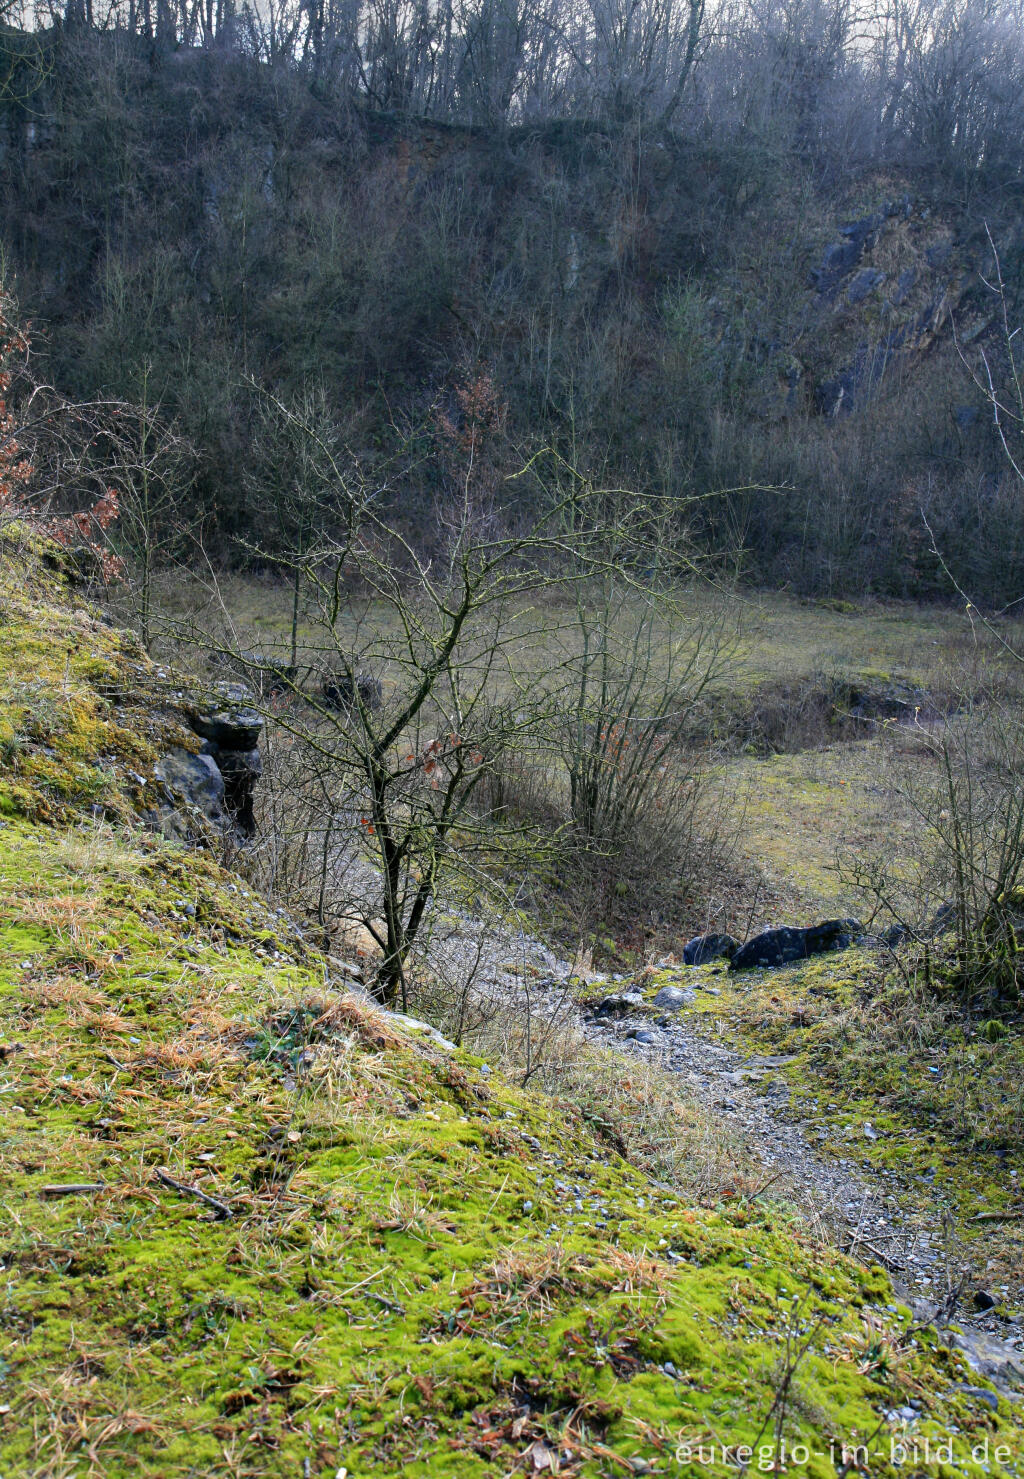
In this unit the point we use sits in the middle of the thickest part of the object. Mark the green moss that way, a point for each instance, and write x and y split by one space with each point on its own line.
377 1301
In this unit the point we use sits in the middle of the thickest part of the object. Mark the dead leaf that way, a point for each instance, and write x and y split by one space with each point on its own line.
542 1457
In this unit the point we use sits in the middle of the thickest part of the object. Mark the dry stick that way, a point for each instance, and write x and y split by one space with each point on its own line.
72 1189
857 1240
221 1208
764 1186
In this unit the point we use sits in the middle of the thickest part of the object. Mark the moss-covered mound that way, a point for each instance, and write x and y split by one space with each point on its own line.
251 1227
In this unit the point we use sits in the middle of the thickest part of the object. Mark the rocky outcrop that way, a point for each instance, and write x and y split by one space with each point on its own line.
226 718
189 783
220 782
782 946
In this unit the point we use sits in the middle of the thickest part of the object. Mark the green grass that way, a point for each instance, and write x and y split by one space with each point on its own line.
797 815
772 636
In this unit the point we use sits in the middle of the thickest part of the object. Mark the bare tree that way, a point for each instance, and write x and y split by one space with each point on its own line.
421 695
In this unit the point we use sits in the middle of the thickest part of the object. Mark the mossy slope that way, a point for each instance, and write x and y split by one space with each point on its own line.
403 1265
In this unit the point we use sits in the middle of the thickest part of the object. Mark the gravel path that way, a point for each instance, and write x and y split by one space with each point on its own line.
863 1211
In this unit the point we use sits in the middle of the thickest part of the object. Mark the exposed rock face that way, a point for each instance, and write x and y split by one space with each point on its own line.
709 947
781 946
194 782
227 718
241 770
221 781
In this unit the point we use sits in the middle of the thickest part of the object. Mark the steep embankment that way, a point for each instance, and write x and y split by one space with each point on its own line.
251 1226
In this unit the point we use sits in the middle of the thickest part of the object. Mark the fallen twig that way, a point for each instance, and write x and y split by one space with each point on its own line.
388 1304
1013 1216
885 1259
764 1186
72 1189
221 1208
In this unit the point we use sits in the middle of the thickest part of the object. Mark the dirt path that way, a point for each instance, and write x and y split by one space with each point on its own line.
860 1208
863 1212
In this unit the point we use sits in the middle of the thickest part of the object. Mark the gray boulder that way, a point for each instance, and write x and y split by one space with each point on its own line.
783 946
189 783
230 728
672 998
709 947
268 676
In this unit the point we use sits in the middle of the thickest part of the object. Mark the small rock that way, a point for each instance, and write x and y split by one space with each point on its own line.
673 997
619 1003
978 1394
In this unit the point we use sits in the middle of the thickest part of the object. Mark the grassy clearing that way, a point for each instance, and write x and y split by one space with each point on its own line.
773 637
795 814
398 1263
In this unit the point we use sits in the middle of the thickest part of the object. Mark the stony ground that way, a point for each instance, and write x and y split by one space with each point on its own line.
867 1214
863 1209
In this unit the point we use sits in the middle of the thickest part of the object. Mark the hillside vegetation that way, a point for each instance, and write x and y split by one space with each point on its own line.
775 322
511 739
252 1225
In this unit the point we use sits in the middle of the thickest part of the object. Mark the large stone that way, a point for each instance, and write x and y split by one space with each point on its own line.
226 717
709 947
267 675
783 946
671 998
190 782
